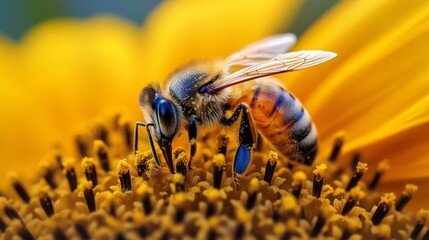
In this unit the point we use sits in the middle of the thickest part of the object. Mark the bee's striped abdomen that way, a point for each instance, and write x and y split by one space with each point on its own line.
280 117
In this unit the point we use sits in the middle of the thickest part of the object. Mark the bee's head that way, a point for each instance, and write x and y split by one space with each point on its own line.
162 112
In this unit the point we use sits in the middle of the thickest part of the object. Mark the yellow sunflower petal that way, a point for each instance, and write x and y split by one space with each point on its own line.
21 118
181 31
374 84
82 69
349 27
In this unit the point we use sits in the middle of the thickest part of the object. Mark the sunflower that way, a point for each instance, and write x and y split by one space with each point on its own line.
69 102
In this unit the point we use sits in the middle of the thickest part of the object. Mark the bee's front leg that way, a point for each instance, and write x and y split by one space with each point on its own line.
149 136
247 138
192 132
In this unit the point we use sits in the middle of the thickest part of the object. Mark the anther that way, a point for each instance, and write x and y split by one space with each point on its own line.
81 230
270 167
298 180
382 167
59 234
219 165
58 159
254 188
102 134
128 135
100 150
81 147
49 175
88 192
179 182
242 217
123 170
405 197
383 208
223 141
288 208
352 225
145 192
181 161
213 196
11 213
361 168
356 194
178 200
356 158
338 144
320 222
71 176
46 204
3 226
141 160
426 235
422 217
25 234
319 172
88 165
20 189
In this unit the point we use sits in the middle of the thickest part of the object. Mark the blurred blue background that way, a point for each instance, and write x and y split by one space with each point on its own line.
18 16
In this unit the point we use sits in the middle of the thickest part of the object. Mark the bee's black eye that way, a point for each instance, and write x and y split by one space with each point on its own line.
166 117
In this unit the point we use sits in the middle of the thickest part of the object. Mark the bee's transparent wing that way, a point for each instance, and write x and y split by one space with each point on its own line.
282 63
262 50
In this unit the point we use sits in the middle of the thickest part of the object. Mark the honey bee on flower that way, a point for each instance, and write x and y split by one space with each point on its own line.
201 93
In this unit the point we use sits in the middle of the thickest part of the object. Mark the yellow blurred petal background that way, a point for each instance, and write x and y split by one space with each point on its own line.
67 74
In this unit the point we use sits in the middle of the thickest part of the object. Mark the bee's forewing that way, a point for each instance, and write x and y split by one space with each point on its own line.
262 50
282 63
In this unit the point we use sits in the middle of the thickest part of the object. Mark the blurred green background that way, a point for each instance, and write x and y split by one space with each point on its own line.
18 16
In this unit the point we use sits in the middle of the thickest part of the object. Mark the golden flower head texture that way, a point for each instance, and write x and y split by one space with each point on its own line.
70 102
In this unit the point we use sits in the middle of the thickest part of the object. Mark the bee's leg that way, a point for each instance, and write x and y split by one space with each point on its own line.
149 136
192 132
247 138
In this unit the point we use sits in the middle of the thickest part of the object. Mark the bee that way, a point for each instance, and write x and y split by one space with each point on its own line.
203 92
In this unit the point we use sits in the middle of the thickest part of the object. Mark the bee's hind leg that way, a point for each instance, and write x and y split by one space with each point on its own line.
247 138
192 132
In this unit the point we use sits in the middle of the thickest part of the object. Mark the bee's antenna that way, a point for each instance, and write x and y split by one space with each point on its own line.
149 136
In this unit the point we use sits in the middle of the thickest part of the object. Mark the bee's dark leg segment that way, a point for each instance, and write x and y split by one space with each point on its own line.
149 136
192 132
247 137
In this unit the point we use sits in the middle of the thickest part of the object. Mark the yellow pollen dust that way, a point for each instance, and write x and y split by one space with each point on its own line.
423 215
142 157
219 160
123 167
243 216
254 185
320 170
178 199
299 178
288 203
98 144
410 189
178 178
144 189
88 163
213 194
388 198
86 185
383 166
273 157
361 167
181 157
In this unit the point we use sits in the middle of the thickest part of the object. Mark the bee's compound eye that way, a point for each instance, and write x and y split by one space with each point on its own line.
167 118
